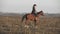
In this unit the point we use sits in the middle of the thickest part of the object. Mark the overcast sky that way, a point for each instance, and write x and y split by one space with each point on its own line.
25 6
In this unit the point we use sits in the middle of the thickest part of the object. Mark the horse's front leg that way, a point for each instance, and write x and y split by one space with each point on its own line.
36 21
35 24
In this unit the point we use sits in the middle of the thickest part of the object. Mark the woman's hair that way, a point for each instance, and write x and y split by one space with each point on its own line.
34 5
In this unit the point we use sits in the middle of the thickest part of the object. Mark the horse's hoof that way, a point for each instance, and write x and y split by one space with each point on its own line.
26 26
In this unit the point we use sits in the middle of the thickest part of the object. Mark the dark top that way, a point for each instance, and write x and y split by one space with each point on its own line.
33 11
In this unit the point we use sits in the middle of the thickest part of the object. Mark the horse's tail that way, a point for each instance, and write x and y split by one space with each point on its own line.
24 17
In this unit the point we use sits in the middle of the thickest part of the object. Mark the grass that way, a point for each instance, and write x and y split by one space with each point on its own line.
13 25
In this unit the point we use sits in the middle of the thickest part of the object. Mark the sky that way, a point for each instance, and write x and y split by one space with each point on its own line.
25 6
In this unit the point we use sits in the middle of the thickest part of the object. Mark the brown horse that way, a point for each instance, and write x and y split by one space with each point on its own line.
31 17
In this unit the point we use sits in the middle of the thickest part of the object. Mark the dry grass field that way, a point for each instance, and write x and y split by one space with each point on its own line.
13 25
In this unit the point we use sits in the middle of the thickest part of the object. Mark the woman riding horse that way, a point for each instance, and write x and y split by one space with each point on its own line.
32 16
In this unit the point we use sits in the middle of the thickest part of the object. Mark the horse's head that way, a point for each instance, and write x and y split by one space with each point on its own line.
40 13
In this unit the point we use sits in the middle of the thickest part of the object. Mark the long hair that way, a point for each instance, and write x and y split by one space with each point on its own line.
33 9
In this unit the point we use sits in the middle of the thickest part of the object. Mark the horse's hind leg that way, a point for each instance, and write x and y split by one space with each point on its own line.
26 23
35 22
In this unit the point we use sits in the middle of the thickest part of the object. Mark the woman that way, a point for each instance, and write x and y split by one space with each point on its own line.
34 10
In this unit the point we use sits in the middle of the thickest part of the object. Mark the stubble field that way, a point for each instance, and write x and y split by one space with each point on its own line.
13 25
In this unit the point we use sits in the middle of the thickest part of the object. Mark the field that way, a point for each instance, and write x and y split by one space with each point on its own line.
13 25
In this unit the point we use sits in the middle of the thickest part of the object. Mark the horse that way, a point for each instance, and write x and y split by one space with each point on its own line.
30 17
